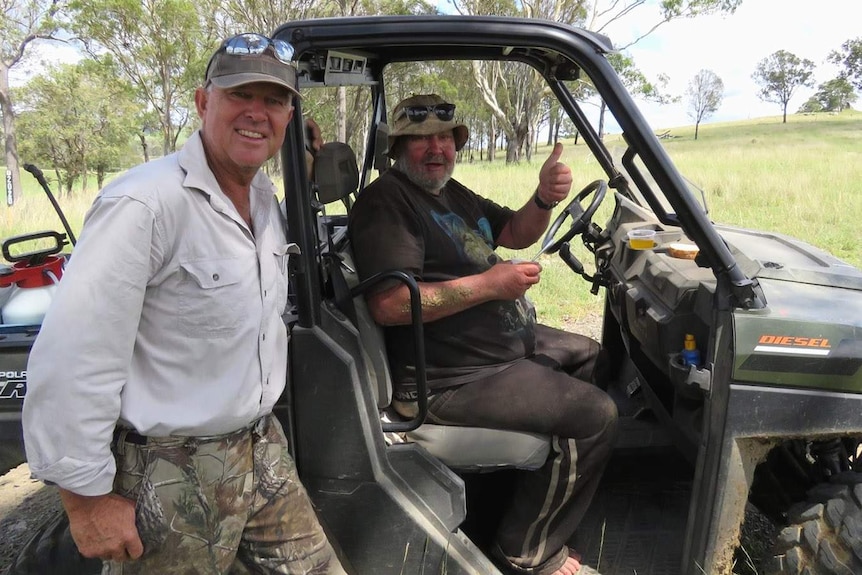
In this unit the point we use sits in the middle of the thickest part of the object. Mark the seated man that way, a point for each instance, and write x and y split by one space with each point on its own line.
488 363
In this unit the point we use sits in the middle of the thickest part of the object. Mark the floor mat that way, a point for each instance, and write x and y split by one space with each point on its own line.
636 522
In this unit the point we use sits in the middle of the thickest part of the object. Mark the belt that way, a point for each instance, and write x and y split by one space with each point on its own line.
126 435
122 434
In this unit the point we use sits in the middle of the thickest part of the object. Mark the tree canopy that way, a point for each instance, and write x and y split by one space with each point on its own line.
850 57
835 95
779 75
77 117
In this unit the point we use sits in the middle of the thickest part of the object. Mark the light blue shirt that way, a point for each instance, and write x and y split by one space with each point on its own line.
168 320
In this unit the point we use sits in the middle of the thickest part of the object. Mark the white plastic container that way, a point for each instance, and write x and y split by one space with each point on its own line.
27 306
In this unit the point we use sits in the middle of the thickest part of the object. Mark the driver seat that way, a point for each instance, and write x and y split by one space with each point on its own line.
458 447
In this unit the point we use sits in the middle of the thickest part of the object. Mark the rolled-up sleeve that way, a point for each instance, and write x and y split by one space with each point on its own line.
80 360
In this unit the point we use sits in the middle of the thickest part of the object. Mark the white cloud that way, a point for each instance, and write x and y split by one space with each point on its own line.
731 46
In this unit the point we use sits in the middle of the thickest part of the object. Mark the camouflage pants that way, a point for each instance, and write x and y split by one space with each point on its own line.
228 504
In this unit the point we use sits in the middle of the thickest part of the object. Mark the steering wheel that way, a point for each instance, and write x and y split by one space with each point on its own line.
580 217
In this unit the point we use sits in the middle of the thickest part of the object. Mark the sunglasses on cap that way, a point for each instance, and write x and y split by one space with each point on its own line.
256 44
418 114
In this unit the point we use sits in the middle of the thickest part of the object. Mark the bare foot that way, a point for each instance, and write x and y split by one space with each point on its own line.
570 567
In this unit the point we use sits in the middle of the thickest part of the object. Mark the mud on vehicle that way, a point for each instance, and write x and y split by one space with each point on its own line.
768 416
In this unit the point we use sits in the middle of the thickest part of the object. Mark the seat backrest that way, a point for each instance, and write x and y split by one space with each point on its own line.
371 334
335 172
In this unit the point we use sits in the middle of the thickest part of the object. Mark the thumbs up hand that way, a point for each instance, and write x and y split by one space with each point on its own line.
555 178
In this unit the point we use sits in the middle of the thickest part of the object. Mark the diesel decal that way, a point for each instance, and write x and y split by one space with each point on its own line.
793 345
803 355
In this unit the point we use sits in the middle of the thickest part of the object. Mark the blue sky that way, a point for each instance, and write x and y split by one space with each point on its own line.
731 46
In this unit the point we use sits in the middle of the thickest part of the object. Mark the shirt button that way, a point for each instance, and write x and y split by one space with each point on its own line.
264 293
264 337
215 277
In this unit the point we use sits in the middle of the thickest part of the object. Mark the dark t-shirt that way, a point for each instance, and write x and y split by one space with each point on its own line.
395 225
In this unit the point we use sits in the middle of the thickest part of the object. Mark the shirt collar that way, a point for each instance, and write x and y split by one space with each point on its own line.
199 176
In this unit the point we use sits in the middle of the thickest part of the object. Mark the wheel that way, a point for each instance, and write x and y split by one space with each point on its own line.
824 535
580 217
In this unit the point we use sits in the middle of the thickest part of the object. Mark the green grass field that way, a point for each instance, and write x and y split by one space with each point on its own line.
803 179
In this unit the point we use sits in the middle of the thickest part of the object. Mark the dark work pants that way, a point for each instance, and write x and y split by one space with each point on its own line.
548 393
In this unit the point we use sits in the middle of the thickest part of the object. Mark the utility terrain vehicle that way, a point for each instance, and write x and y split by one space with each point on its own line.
770 416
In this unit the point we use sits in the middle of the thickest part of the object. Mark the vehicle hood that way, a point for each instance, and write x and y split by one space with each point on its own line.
810 333
775 256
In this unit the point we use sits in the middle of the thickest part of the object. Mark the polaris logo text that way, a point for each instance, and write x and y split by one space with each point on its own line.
13 389
792 345
13 375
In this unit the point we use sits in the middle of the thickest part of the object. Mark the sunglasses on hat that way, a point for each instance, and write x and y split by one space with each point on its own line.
256 44
418 114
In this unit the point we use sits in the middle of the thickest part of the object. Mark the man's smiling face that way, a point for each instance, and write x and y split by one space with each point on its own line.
244 126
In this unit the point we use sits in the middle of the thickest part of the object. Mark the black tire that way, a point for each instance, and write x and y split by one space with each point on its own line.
824 534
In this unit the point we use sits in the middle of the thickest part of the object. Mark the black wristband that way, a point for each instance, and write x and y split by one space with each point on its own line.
542 205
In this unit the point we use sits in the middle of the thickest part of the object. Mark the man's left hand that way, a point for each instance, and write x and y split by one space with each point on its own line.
555 178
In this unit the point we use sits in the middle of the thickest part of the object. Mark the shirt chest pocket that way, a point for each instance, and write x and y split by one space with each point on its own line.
211 297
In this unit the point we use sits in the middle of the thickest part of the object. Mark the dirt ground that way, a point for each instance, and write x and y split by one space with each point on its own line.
25 505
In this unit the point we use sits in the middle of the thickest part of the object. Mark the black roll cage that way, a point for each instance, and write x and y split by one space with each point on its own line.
558 52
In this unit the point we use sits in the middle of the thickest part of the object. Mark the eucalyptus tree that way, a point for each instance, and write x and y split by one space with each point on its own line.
22 22
705 92
79 119
850 58
161 47
835 95
779 75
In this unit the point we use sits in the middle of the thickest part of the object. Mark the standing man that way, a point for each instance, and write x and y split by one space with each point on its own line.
488 363
152 382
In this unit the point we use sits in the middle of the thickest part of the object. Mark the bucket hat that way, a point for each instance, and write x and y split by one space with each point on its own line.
432 124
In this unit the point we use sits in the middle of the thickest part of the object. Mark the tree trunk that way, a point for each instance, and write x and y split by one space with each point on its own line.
13 173
511 152
696 127
492 140
144 148
602 120
341 116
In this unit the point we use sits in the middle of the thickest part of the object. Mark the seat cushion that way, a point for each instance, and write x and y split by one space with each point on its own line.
482 449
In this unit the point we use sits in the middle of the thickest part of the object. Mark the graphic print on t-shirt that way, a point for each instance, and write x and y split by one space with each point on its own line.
475 246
